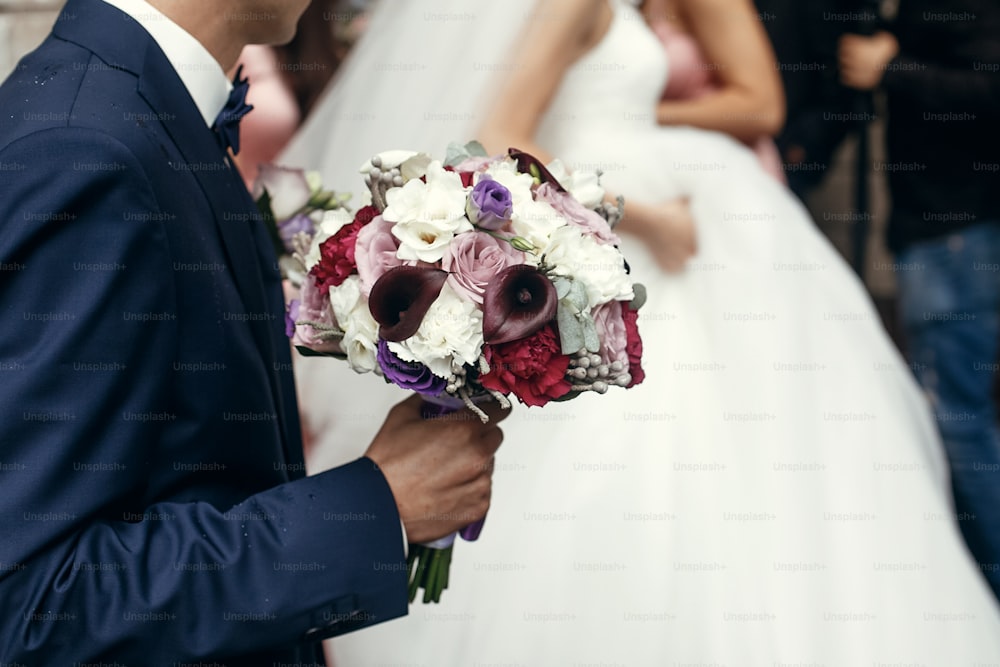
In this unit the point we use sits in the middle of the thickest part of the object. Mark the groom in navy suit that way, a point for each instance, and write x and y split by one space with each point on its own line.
153 504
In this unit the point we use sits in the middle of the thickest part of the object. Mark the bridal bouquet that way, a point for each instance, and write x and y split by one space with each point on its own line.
477 278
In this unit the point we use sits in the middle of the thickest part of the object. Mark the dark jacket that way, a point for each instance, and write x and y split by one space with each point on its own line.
153 504
944 118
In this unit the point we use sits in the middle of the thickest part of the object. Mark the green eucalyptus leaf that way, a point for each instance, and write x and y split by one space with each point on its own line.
639 298
476 149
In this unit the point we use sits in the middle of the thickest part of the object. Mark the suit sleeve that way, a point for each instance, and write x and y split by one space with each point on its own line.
88 331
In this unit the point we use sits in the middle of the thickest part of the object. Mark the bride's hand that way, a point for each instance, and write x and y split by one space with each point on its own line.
667 229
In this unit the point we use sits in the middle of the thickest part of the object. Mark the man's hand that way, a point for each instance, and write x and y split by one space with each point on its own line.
863 59
440 470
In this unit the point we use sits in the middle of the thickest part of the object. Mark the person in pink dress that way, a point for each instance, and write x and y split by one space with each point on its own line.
286 81
703 94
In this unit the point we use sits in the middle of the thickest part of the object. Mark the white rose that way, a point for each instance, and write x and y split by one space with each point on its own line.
451 331
351 311
584 185
536 221
427 215
601 268
331 223
360 342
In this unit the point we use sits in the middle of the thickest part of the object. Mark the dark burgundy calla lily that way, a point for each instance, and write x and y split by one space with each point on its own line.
525 161
517 303
401 297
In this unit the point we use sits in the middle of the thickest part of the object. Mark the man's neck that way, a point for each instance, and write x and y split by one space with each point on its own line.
206 21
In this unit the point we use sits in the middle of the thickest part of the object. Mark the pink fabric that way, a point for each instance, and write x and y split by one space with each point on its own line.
691 77
275 117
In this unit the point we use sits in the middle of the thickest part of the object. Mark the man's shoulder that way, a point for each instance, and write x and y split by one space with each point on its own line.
64 85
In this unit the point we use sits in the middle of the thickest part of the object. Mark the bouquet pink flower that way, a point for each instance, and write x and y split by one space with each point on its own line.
472 279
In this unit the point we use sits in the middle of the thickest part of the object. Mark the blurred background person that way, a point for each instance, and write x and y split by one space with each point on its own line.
287 80
939 65
818 106
701 93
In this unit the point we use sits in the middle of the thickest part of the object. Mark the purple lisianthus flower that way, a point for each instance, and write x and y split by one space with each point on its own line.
490 205
411 375
287 229
291 315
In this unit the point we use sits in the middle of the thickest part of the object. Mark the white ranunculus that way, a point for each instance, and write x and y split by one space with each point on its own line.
330 225
452 330
289 189
536 221
427 214
584 185
601 268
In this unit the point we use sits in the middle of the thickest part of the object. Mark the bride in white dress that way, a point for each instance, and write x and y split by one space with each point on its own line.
772 494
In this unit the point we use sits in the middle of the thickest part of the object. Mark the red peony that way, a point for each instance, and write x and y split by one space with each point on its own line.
633 346
337 252
532 368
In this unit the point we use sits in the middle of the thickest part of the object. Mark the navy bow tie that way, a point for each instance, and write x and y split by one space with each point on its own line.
227 123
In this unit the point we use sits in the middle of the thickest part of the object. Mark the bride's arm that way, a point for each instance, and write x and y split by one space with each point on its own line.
558 33
750 102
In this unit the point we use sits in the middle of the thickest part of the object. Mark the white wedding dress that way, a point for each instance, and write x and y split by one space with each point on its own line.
773 494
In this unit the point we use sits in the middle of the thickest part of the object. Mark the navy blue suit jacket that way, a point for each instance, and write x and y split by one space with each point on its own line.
153 504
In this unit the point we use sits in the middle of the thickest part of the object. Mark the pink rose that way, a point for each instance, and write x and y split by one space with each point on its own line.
474 259
577 214
314 307
610 326
375 252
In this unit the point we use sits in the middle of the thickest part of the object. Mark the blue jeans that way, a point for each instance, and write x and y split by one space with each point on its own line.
949 291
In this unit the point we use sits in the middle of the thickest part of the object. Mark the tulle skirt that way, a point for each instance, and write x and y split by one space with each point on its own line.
773 493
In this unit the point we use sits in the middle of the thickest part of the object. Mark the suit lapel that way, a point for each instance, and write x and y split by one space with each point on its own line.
246 245
235 213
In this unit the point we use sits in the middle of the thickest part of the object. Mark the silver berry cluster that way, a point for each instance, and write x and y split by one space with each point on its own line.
613 213
380 182
588 372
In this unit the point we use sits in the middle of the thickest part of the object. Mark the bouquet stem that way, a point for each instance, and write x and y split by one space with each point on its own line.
428 569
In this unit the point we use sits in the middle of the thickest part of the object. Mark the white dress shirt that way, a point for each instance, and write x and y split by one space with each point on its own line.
200 73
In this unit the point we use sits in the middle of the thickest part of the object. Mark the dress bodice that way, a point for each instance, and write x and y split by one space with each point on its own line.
618 81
